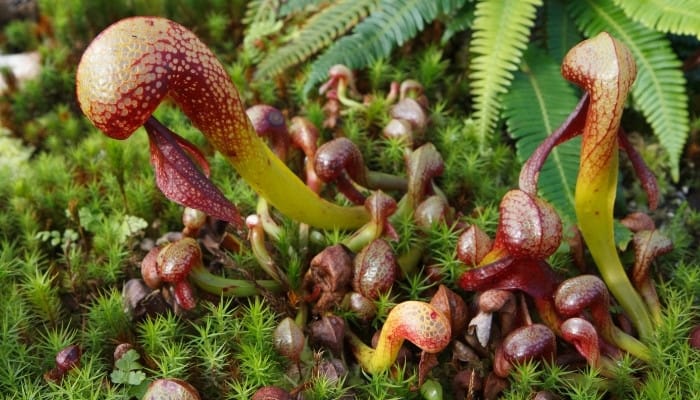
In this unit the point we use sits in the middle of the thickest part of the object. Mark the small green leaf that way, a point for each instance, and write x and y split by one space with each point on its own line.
128 361
89 221
130 226
623 235
128 369
119 376
136 377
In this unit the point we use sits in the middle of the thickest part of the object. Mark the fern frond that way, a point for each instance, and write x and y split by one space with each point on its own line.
260 11
681 17
659 91
318 33
501 32
260 21
462 20
538 101
449 6
561 32
295 6
393 23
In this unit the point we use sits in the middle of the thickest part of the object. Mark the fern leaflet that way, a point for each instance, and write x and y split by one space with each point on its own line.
393 23
501 32
449 6
294 6
538 101
318 33
258 11
659 91
675 16
260 20
562 33
460 21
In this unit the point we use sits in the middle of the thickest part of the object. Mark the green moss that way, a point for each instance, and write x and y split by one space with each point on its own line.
78 210
106 323
19 37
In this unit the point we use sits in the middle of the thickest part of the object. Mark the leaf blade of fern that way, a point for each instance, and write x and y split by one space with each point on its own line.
260 11
538 101
260 20
681 17
497 51
294 6
562 33
659 91
391 24
316 34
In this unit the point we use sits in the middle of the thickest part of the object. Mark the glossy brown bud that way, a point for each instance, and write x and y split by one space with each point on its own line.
527 343
271 393
410 110
375 269
453 306
193 220
340 161
68 358
434 209
288 339
401 130
184 294
545 395
176 259
589 293
304 135
473 244
269 123
333 370
638 221
582 292
361 306
328 333
648 245
583 335
422 166
173 389
339 75
694 338
149 269
121 349
529 227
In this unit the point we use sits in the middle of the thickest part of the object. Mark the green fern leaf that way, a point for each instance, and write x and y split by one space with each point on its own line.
393 23
681 17
659 91
501 33
538 101
295 6
462 20
562 33
260 21
260 11
318 33
449 6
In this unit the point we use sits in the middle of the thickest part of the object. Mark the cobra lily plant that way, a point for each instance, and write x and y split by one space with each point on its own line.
135 64
604 68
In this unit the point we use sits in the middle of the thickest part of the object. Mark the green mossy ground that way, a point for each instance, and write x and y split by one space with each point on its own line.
75 208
